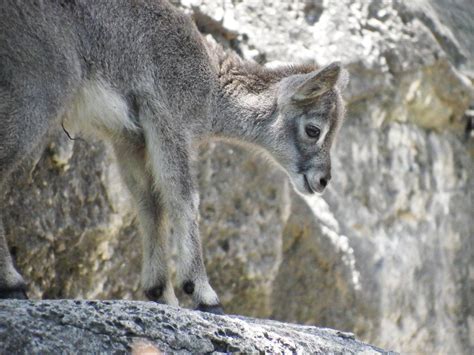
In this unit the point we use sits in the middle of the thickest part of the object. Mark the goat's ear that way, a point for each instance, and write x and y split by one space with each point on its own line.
317 83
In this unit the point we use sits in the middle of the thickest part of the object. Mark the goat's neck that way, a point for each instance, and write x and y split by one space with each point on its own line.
244 117
245 103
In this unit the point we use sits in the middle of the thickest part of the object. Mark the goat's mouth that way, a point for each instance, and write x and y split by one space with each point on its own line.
307 185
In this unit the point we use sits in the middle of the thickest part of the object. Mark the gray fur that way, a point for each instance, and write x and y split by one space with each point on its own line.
139 74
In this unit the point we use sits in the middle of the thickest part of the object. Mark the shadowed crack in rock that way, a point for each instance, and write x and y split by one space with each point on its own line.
69 326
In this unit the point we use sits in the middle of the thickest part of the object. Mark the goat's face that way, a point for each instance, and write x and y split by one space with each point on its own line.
309 113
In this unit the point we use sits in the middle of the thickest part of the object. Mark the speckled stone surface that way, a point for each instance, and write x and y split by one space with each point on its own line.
113 327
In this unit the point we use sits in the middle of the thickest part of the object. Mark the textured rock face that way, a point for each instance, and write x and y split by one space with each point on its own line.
123 326
387 252
69 225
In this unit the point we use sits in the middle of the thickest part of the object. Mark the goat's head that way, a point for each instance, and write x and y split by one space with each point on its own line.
309 113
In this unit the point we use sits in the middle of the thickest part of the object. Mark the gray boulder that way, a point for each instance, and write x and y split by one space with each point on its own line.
71 327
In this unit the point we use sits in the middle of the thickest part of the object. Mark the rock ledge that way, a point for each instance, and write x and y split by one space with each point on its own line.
71 326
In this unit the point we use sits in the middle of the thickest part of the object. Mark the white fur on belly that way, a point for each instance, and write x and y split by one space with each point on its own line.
97 109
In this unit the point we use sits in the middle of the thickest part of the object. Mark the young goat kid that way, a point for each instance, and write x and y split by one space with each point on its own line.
139 74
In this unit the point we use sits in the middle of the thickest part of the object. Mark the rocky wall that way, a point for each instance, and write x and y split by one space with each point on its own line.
387 252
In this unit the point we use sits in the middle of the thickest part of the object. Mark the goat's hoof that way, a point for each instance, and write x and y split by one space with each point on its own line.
155 293
13 293
214 309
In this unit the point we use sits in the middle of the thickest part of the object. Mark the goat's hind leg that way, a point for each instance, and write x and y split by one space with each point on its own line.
12 284
20 131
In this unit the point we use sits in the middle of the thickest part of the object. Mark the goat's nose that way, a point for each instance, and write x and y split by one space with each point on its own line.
324 180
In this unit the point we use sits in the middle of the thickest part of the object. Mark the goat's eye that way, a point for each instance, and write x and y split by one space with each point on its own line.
312 131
